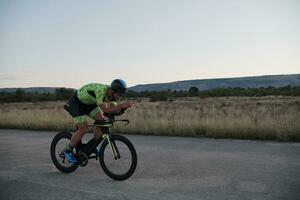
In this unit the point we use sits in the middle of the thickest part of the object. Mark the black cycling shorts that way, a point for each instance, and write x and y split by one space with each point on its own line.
78 110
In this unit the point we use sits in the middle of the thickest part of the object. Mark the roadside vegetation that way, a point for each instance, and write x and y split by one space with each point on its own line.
264 118
63 94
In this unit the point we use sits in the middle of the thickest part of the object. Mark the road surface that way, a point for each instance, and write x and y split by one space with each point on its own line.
168 168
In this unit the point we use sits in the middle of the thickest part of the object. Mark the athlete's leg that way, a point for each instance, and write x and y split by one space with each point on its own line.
95 114
76 137
82 126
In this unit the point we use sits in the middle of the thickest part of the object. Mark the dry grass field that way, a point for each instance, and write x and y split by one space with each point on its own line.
265 118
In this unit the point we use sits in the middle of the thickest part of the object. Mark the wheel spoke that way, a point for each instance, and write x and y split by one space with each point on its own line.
122 165
58 145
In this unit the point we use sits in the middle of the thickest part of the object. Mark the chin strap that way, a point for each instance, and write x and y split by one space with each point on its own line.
112 98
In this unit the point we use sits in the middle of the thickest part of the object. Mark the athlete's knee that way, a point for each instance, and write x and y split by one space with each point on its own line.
97 130
97 116
82 128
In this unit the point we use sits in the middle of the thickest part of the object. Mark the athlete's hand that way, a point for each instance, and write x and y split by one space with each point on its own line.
127 104
102 117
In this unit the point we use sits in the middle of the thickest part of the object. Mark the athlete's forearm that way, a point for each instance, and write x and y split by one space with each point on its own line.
106 108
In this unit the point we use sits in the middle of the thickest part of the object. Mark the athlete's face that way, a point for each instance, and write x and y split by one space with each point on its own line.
118 95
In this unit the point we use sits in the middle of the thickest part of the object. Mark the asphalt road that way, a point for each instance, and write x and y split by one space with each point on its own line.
168 168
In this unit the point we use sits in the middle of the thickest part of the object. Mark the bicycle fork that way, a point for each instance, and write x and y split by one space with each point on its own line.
113 147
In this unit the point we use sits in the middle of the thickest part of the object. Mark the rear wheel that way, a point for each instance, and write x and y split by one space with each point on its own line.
59 143
123 166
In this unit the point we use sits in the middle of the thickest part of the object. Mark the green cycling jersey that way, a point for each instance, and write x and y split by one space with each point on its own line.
93 93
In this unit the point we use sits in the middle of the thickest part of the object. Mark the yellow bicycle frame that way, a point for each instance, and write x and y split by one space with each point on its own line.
112 147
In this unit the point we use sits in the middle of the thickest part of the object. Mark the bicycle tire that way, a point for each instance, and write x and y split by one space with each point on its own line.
129 173
59 136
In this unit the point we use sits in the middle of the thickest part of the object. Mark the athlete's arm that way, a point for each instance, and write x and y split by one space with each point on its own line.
105 107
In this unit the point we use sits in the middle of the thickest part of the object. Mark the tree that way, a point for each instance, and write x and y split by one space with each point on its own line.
193 90
62 93
19 94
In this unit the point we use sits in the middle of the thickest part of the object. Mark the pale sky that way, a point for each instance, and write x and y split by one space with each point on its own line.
69 43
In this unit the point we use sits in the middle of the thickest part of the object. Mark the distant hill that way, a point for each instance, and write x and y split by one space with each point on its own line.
202 84
206 84
32 89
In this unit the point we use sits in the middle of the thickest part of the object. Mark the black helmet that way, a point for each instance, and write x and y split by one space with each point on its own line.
118 85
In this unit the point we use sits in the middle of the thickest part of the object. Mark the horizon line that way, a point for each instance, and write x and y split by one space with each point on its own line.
160 82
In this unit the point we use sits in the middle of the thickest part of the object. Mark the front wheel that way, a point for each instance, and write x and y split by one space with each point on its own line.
124 164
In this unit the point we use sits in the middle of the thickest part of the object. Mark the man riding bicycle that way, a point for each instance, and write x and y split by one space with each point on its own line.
93 100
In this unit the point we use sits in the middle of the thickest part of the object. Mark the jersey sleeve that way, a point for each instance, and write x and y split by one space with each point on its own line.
100 94
99 98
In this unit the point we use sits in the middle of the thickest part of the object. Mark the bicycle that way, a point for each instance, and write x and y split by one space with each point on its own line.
114 153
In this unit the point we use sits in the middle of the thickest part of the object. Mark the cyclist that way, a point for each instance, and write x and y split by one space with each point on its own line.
93 100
